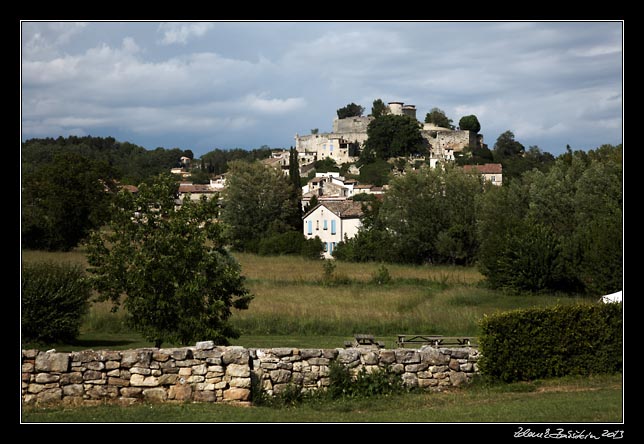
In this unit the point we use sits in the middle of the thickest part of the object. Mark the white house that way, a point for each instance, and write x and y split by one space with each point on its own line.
332 222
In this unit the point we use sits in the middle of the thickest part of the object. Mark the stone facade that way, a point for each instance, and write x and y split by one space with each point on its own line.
208 373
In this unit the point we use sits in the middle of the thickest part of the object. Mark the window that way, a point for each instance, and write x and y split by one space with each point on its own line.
331 245
326 247
317 224
333 227
310 227
324 225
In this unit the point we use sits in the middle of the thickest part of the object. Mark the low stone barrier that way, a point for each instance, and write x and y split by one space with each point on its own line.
209 373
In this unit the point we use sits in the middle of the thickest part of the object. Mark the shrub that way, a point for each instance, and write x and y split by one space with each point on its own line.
290 243
381 276
55 297
552 342
380 382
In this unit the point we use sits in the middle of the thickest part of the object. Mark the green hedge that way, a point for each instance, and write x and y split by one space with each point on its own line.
551 342
55 297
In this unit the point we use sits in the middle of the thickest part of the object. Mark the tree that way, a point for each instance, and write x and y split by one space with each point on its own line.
351 110
379 108
437 117
257 202
178 282
392 136
432 215
469 123
64 200
296 189
506 147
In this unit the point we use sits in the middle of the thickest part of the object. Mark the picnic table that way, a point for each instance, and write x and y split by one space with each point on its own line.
435 340
364 341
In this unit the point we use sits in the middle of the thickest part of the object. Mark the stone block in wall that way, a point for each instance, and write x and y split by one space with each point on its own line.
467 367
308 353
74 390
30 354
132 392
349 357
414 368
52 362
407 356
93 375
235 355
236 394
240 382
143 381
238 370
155 394
369 357
387 356
118 382
187 363
433 355
280 376
71 378
46 378
138 358
410 379
180 392
330 353
205 345
457 378
427 382
212 357
140 371
50 396
454 365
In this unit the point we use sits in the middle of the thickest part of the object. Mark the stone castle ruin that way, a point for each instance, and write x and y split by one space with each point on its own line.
344 143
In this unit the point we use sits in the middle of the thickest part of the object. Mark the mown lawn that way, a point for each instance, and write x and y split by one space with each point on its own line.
595 399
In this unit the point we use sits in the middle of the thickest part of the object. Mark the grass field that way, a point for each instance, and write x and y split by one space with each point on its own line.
294 307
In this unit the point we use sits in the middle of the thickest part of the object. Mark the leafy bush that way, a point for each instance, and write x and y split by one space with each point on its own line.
55 297
552 342
290 243
381 276
380 382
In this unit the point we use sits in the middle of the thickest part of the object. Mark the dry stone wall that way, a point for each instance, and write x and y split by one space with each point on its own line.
209 373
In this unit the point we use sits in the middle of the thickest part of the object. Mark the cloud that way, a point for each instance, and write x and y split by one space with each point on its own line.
174 33
273 106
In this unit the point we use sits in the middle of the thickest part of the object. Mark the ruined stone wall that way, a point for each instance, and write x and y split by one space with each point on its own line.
208 373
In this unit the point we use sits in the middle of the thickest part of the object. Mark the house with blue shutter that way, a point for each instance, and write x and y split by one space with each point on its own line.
332 222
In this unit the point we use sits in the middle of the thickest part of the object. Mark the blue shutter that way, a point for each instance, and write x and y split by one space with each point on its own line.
333 227
310 223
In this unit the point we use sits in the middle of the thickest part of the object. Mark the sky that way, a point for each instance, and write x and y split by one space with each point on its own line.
247 84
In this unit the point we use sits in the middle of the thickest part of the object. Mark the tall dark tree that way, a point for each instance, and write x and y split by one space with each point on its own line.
258 201
351 110
506 146
469 123
379 108
437 117
296 184
392 136
63 200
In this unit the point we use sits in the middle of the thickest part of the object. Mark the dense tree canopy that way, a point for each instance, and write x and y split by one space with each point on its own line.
63 200
379 108
559 229
351 110
469 123
258 201
178 282
437 117
392 136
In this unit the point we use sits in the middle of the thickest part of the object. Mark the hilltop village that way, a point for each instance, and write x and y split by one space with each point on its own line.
331 213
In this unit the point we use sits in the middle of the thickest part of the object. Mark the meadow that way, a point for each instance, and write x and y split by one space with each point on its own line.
297 305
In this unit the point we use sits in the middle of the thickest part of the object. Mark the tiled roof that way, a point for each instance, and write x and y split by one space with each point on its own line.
488 168
346 209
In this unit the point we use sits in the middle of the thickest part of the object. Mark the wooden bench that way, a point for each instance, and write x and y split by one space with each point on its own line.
435 341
